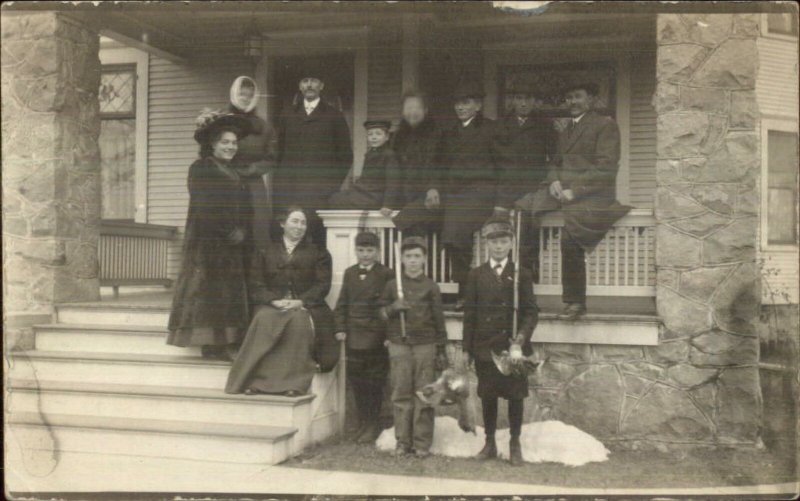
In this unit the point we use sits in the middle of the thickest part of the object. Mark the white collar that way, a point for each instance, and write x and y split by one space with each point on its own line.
578 119
368 268
502 263
290 246
311 105
466 124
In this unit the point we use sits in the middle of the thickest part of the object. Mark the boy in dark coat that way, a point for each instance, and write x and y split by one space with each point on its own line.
416 352
357 322
376 188
488 325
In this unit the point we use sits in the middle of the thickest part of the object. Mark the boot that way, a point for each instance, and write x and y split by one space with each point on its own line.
489 450
515 452
370 433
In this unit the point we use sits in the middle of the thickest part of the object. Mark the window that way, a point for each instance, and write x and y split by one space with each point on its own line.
782 168
117 97
782 24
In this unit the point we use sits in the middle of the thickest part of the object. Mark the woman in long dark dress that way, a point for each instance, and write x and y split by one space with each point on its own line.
209 307
288 284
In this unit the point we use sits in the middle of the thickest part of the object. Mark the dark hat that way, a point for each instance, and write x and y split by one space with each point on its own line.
367 239
210 121
311 69
497 227
412 242
378 124
468 89
591 88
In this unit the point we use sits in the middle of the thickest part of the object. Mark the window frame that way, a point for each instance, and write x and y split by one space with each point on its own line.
122 67
767 125
769 34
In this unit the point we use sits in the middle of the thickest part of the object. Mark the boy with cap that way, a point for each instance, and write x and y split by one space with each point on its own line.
488 324
357 321
376 187
416 349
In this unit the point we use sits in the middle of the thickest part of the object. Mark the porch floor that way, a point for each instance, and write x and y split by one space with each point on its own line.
597 305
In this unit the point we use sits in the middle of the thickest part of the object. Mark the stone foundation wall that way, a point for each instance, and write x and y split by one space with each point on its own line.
51 168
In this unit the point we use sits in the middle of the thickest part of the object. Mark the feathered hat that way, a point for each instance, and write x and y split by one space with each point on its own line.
211 120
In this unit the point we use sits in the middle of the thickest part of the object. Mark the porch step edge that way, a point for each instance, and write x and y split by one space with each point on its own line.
118 357
149 330
587 318
154 391
258 432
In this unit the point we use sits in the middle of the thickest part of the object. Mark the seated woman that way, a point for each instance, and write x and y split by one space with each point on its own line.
287 284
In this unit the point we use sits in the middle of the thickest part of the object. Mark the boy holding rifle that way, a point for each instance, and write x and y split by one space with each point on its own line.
500 314
416 341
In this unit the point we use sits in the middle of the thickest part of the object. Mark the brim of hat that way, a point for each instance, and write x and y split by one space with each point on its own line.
241 123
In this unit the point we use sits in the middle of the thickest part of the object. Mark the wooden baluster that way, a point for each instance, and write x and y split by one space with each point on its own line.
627 259
647 256
636 256
551 246
541 253
596 267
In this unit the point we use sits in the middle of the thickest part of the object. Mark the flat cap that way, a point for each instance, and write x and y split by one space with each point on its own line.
497 227
367 239
411 242
591 88
378 124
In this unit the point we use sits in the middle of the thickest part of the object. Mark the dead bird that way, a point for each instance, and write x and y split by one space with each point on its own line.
512 362
452 388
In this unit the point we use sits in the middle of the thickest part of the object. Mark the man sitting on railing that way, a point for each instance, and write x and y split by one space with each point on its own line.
581 182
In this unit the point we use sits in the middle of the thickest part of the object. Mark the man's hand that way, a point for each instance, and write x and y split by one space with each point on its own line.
398 305
287 304
556 190
236 236
386 212
440 363
567 195
341 336
432 199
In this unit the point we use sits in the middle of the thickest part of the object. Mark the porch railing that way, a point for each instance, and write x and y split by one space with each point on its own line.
134 254
623 264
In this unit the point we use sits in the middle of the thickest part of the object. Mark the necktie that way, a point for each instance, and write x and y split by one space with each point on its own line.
498 269
521 120
362 272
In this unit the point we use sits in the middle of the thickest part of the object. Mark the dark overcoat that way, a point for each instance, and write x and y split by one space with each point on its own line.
209 306
587 161
304 274
314 156
472 160
418 150
525 150
357 309
377 186
489 310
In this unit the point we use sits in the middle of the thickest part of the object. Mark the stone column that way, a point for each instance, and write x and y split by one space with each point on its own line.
707 201
51 168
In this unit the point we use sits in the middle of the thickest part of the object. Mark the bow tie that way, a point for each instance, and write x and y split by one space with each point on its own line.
362 272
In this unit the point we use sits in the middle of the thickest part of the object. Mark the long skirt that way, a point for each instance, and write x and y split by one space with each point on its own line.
275 356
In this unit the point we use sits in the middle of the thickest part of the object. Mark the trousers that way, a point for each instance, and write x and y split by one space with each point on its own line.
411 368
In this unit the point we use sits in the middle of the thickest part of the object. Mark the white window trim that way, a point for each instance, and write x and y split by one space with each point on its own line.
141 59
766 126
778 36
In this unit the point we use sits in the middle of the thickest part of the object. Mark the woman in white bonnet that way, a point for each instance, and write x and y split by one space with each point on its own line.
256 156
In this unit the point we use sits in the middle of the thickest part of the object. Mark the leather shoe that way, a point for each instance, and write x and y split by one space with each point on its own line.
489 450
515 452
401 450
573 310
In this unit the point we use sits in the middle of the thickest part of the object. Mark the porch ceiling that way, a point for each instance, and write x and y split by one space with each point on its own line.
180 28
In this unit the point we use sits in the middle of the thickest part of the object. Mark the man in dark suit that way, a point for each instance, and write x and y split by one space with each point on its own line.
581 183
314 153
471 161
488 325
528 141
357 321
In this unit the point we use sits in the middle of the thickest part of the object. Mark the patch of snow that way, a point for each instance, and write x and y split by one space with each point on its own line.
542 441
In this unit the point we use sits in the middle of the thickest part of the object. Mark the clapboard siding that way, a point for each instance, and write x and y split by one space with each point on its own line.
642 145
777 82
176 96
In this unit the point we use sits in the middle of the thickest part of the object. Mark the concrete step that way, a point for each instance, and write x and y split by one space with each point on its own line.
161 402
113 314
151 437
97 338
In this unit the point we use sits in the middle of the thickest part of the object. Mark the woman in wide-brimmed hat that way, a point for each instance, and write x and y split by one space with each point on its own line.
209 308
